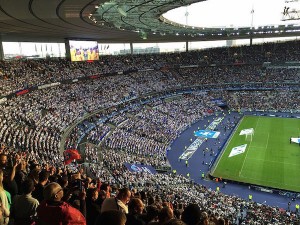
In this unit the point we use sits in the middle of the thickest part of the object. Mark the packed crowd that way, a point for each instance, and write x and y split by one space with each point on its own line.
278 100
31 127
18 75
150 131
38 191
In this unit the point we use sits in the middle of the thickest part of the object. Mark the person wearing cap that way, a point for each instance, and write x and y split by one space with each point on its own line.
54 211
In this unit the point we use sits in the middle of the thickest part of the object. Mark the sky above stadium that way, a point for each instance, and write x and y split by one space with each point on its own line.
235 13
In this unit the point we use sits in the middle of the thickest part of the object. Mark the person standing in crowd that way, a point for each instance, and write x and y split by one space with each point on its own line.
93 205
39 188
54 211
111 217
191 214
135 210
152 214
9 171
204 220
21 175
23 208
4 205
165 215
119 202
250 197
176 222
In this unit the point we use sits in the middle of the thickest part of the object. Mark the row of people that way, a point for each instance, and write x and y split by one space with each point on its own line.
73 197
18 75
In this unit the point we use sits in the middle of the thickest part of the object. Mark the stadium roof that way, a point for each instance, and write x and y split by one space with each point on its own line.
117 21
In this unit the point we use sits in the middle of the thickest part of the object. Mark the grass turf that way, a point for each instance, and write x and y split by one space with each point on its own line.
269 159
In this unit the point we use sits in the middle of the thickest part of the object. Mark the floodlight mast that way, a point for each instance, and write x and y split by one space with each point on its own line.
251 30
186 16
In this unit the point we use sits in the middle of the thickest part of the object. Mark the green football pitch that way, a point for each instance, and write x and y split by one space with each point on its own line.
269 159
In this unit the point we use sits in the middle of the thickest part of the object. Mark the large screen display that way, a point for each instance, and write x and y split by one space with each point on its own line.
83 50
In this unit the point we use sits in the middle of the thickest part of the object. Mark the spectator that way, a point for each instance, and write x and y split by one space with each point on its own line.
61 212
9 171
4 204
21 175
151 214
165 215
39 188
191 214
204 220
119 202
111 217
175 222
23 209
135 210
93 206
220 221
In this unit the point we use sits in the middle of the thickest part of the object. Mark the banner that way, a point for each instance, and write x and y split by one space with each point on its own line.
70 155
247 131
201 136
214 123
238 150
295 140
22 92
94 76
48 85
207 134
218 102
139 168
187 154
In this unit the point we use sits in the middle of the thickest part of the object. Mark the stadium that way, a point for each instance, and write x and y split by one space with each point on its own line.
147 134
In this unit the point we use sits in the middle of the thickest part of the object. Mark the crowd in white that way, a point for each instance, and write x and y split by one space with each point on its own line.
34 122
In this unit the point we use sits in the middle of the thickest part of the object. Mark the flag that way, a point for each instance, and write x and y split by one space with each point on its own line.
238 150
70 155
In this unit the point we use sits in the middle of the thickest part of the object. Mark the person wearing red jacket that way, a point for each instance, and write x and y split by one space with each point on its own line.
54 211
